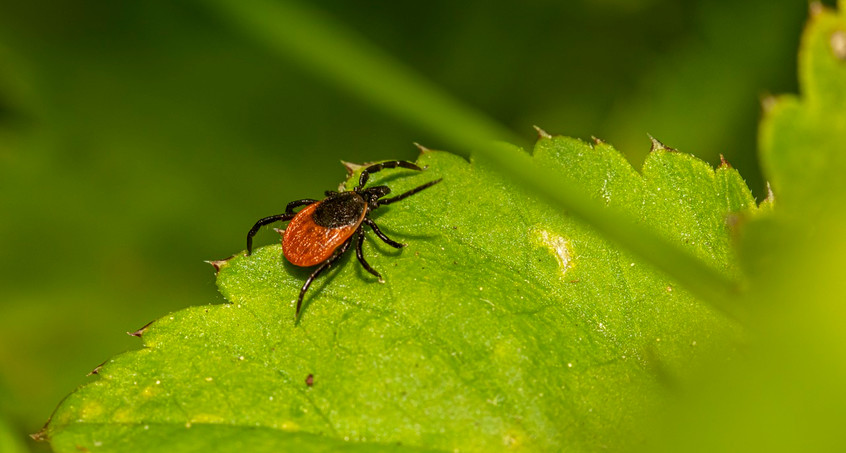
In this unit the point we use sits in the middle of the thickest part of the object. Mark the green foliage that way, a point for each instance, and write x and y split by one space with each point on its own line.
139 138
788 394
785 394
505 324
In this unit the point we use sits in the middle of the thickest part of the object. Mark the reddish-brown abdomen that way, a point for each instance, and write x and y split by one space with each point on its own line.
305 243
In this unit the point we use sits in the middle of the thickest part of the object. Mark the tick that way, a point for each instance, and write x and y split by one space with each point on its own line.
321 232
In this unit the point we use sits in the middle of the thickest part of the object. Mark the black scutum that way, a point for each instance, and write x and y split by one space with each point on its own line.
339 210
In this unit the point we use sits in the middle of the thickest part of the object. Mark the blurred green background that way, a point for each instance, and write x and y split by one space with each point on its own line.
138 139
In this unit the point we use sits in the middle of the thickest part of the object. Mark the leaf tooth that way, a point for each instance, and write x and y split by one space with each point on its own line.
41 435
815 8
423 149
351 167
768 101
770 196
723 162
542 134
97 368
597 140
141 331
658 146
219 264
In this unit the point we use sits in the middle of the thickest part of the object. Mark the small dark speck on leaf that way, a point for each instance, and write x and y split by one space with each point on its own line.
309 380
140 331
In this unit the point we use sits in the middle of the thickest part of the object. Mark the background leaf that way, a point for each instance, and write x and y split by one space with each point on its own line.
504 325
788 394
9 443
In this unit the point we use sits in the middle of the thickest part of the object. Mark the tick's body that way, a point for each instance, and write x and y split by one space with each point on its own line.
320 233
320 228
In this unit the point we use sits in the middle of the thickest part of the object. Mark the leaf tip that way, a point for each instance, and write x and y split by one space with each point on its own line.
219 264
97 368
658 146
768 102
770 196
542 134
41 435
351 167
423 149
815 8
138 333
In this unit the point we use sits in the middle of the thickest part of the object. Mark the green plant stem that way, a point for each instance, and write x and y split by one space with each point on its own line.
347 60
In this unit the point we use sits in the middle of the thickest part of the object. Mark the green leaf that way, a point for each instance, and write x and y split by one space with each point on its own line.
788 395
504 325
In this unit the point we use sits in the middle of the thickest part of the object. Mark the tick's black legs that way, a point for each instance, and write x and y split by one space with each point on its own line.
409 193
381 235
261 223
288 215
365 174
339 252
289 209
360 255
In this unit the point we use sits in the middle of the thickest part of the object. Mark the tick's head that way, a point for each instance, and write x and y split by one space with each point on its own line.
372 194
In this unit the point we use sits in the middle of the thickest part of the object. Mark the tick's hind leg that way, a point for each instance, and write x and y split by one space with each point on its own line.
323 266
360 255
289 209
274 218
